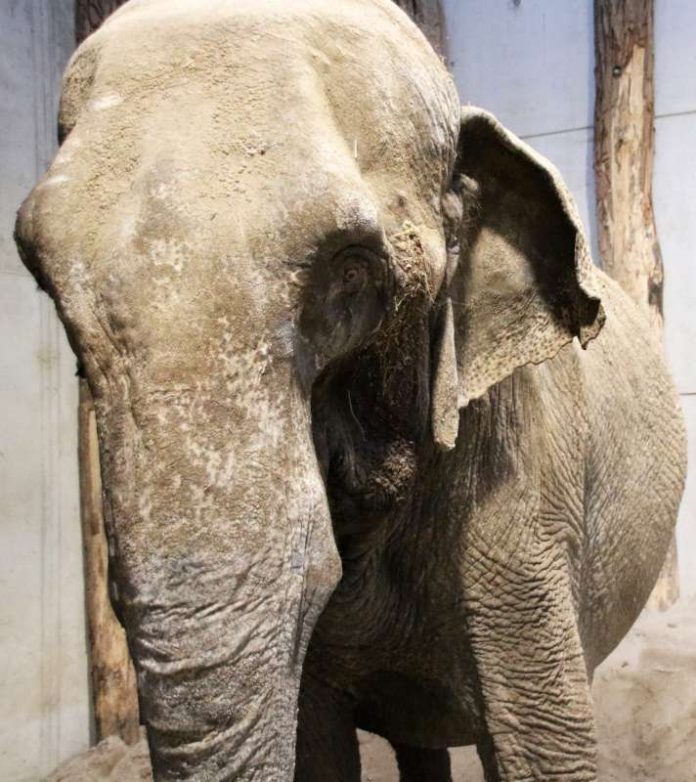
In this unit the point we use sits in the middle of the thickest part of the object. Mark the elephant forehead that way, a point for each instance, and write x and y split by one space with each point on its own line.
271 73
197 124
206 138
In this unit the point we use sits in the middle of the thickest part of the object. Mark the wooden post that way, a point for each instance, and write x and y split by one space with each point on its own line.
114 692
624 136
427 14
89 14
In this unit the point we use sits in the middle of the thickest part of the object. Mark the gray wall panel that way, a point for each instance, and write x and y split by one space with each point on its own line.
44 709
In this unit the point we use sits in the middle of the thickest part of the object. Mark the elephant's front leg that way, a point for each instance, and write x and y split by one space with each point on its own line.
531 669
327 742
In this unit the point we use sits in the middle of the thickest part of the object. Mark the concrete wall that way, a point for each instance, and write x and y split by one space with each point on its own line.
44 703
675 207
531 63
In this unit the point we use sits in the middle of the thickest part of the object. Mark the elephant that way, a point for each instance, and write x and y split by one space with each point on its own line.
381 447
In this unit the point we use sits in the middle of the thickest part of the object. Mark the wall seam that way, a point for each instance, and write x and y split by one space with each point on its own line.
49 400
670 114
561 131
555 132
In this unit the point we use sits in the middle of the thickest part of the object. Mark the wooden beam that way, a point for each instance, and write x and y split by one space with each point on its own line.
89 14
427 14
624 139
114 692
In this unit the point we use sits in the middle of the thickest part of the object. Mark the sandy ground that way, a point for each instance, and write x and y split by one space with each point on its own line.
645 704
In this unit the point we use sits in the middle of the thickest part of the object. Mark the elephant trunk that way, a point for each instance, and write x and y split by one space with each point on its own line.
223 557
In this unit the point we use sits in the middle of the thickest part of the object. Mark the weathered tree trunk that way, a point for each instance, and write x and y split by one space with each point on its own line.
624 153
89 14
114 692
427 14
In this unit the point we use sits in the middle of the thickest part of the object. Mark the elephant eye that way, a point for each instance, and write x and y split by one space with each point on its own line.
345 300
355 274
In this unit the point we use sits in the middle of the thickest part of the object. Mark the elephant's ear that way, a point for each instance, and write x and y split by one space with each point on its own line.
520 281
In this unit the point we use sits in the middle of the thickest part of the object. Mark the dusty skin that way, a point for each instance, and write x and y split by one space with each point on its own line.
380 447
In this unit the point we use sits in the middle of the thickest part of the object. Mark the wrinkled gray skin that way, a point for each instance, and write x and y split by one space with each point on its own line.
334 329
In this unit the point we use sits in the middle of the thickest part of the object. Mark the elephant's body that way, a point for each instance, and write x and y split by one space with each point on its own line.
331 320
523 559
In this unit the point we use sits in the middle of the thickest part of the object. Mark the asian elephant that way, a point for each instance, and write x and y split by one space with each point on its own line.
380 446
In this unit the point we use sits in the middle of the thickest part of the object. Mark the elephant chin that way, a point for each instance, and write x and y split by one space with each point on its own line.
222 557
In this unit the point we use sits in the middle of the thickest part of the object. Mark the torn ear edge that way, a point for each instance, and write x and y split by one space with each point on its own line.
488 334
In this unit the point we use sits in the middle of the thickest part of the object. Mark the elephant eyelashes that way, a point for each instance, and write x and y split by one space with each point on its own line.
355 273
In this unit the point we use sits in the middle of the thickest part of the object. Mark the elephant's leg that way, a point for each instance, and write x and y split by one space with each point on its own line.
422 765
533 681
327 741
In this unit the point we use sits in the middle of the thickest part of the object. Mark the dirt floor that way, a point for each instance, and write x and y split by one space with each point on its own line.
645 703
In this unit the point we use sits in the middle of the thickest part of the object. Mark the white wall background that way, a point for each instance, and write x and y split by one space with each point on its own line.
44 704
531 62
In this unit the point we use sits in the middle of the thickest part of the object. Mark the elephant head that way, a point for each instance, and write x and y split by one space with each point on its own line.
284 257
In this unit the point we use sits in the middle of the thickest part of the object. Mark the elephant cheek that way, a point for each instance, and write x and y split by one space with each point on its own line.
223 558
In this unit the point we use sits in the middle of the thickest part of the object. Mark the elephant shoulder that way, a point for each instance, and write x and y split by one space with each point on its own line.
635 423
634 468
